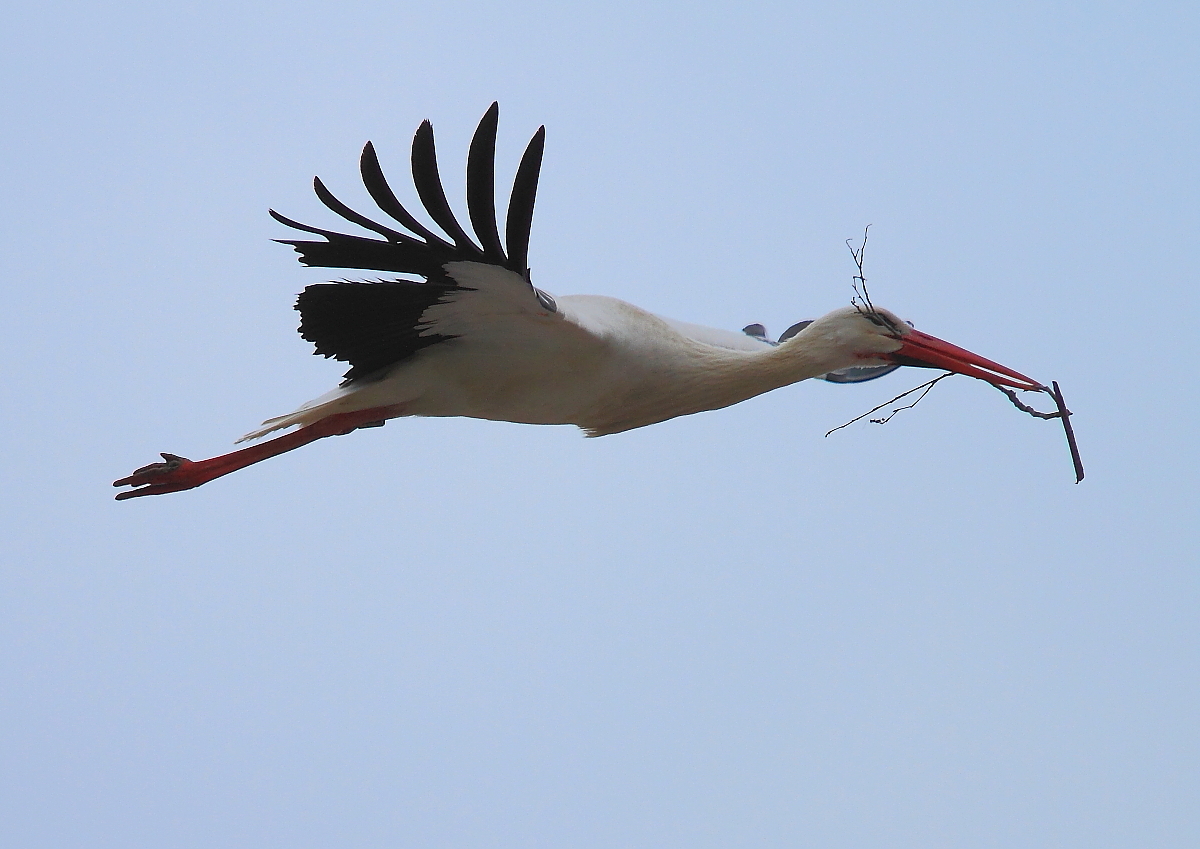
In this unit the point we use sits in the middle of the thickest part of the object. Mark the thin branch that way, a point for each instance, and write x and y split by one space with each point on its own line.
1025 408
1070 431
860 279
926 386
1062 413
862 302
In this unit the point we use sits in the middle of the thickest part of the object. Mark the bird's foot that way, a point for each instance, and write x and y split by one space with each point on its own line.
175 474
178 473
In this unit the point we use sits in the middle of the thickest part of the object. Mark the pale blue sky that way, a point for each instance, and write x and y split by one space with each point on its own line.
725 630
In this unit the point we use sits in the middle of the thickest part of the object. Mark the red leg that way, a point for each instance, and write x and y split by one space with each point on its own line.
179 473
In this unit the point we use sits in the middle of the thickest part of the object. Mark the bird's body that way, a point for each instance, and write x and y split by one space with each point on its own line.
473 337
596 362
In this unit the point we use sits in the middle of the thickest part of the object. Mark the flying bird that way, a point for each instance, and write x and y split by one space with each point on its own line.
466 333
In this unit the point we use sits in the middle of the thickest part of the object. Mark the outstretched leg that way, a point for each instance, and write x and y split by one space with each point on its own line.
179 473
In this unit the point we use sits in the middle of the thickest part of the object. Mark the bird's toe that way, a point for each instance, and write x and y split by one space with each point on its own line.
156 478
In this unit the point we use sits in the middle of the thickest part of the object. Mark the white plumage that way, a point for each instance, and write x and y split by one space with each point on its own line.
471 336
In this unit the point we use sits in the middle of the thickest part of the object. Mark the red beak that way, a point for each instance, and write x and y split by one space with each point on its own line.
921 349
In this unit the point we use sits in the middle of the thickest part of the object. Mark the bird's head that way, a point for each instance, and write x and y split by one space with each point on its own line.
858 337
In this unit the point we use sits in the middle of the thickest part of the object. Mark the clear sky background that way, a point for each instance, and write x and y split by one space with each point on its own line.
720 631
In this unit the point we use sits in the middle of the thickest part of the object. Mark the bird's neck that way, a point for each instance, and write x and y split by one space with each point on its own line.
709 378
734 376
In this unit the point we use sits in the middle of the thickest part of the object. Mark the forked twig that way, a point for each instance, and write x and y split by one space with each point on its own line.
926 386
1025 408
862 302
1061 413
1053 391
861 296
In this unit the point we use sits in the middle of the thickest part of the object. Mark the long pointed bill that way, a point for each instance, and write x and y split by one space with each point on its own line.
921 349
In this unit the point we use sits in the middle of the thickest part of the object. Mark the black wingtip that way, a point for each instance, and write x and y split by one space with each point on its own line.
521 202
425 252
377 186
326 197
296 225
481 186
368 153
428 183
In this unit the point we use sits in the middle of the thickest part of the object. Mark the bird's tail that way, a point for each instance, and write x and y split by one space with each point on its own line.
313 411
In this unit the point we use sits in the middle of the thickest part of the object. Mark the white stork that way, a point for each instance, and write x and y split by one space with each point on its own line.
471 335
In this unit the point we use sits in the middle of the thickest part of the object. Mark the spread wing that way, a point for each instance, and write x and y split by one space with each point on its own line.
373 325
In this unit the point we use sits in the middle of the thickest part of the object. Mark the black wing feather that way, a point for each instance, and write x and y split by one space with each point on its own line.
481 186
374 325
369 325
425 252
429 188
520 205
385 198
326 197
